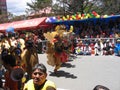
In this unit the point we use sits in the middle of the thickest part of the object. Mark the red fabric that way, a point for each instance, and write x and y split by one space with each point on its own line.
57 54
72 48
25 24
92 46
12 85
64 57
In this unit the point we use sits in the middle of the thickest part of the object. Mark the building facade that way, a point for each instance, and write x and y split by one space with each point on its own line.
3 7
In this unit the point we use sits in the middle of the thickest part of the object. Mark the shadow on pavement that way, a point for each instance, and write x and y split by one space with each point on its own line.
70 60
68 65
61 73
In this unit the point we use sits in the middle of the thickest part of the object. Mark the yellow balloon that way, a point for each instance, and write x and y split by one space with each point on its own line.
79 15
73 17
98 16
68 16
82 17
105 16
86 17
64 18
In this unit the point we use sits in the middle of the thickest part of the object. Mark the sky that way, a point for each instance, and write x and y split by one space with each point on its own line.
17 7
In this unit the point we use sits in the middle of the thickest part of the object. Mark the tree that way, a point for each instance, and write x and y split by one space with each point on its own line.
87 6
74 6
110 6
38 5
57 9
3 18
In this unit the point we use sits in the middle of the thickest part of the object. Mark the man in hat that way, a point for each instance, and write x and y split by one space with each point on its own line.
108 48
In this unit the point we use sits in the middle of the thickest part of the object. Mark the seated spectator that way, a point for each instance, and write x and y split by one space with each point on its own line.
108 49
117 48
87 50
92 48
78 50
80 43
98 47
100 87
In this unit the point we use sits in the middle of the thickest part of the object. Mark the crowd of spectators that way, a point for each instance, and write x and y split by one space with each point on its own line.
98 29
96 48
97 38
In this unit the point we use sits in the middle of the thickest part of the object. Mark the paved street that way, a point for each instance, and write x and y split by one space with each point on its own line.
85 72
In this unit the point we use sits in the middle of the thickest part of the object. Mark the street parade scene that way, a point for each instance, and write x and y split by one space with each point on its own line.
60 45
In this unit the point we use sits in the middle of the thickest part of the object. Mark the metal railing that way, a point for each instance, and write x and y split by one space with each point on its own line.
84 41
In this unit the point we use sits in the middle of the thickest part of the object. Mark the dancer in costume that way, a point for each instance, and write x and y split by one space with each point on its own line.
58 46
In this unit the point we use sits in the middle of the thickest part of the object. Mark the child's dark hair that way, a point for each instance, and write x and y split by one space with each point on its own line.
9 59
98 87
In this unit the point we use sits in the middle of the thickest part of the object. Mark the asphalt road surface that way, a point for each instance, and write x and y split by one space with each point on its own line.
85 72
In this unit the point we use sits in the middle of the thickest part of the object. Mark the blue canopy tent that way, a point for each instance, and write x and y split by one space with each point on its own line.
89 21
94 20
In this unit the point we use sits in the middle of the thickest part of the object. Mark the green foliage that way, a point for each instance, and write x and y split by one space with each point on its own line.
38 5
102 7
110 6
74 6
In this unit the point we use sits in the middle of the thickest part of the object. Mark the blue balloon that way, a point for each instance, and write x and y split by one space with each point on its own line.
53 19
10 29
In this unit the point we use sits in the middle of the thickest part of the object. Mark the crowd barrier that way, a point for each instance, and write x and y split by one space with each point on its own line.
93 40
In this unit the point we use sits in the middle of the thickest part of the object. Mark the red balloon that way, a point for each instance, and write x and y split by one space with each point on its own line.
58 17
94 13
